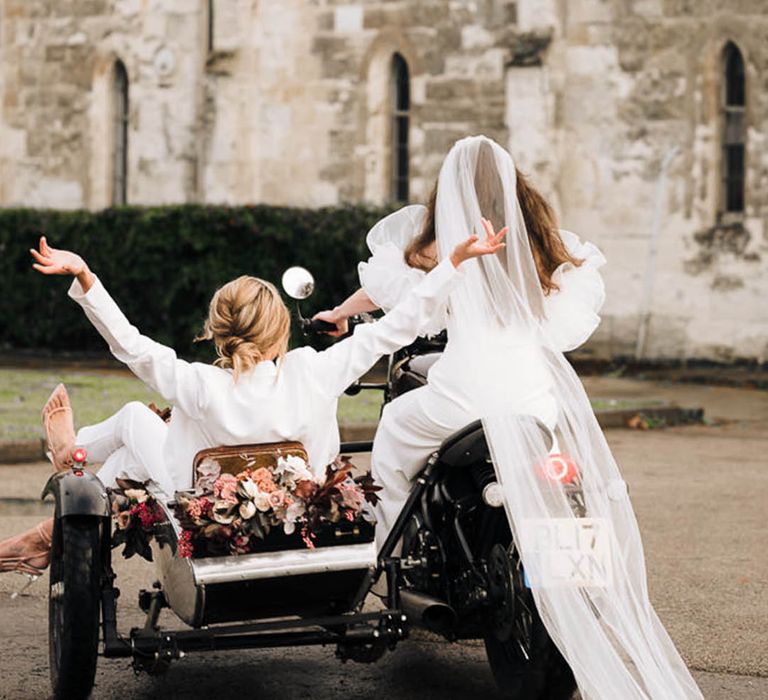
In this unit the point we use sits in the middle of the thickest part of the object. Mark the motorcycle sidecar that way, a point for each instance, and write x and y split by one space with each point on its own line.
283 595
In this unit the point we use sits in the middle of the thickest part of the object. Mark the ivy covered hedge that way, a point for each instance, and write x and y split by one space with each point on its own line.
162 265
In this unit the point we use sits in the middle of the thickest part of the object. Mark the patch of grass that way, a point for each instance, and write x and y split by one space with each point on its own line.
97 394
625 404
363 408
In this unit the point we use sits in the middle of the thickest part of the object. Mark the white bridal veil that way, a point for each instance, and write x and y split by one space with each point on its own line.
575 528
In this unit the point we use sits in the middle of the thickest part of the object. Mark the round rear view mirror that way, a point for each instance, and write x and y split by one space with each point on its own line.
298 282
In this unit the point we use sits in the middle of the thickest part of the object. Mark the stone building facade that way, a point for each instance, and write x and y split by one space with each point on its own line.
644 122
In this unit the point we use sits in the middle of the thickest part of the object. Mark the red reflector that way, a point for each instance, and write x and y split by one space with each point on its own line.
78 472
80 455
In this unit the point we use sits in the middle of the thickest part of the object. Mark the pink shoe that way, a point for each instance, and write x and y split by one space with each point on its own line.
60 447
32 562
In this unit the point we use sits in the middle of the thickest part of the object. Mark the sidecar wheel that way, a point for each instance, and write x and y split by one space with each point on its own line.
73 606
525 662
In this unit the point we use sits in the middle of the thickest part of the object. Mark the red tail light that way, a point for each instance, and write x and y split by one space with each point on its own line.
79 455
560 467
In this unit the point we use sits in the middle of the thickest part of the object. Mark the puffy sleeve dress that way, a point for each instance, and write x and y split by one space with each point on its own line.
571 311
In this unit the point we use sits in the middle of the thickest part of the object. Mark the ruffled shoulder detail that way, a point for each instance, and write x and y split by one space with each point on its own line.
399 228
386 277
572 312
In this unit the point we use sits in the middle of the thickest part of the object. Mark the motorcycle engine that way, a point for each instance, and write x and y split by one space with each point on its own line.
422 559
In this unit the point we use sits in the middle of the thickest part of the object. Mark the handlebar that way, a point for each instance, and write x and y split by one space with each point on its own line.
316 326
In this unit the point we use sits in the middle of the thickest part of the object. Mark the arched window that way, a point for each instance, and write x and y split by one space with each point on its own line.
210 26
400 92
733 130
120 136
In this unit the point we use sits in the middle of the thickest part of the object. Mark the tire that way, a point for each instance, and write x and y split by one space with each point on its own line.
545 676
74 606
525 662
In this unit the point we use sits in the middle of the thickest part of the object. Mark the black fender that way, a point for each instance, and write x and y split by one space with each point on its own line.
78 492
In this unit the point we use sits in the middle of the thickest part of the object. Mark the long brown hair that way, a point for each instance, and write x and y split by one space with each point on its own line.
547 247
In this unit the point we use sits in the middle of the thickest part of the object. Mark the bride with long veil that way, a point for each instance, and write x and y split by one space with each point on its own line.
508 323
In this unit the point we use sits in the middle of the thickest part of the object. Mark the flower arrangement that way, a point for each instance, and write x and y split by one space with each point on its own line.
135 513
230 514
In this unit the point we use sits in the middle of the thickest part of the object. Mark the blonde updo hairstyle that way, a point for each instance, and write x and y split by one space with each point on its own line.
247 322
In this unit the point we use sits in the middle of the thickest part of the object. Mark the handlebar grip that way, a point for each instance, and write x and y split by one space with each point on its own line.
317 326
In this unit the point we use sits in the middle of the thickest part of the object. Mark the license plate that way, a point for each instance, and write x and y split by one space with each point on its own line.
567 552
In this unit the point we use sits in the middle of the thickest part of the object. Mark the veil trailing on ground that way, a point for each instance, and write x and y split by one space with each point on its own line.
570 515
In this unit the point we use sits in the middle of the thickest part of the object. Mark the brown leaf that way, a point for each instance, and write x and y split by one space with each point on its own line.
637 422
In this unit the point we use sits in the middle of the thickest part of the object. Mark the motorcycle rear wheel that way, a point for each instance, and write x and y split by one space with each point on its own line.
525 663
73 606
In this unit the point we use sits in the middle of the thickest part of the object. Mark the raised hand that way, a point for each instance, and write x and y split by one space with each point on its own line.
52 261
474 246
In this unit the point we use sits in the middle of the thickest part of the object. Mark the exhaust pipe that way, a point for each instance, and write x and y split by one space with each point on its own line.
428 612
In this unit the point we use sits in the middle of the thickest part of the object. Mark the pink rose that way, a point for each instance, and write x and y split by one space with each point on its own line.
225 488
261 473
277 499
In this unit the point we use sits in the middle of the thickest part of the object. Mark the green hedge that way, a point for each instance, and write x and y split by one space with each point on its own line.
162 264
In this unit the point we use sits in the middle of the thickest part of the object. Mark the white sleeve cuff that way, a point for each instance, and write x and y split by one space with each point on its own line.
95 294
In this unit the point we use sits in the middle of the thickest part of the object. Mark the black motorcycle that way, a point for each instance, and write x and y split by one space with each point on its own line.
458 573
449 563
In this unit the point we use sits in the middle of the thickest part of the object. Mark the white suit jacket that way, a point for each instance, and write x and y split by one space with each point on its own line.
293 401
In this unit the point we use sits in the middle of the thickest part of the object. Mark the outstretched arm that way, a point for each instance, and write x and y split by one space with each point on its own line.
175 380
341 364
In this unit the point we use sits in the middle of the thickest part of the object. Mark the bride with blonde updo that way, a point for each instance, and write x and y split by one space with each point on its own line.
247 322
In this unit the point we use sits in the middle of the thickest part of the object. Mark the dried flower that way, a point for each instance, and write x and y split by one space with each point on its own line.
247 488
138 495
351 496
184 544
123 519
241 544
148 515
207 472
224 512
305 489
262 502
247 510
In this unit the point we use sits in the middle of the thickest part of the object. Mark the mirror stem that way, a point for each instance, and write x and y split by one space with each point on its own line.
302 321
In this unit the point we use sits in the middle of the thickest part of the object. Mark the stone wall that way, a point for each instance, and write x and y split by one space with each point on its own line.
290 104
630 81
57 60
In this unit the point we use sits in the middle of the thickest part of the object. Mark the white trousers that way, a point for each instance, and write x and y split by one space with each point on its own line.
411 428
130 444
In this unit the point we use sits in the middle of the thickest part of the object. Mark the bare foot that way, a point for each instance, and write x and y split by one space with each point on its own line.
59 428
32 548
